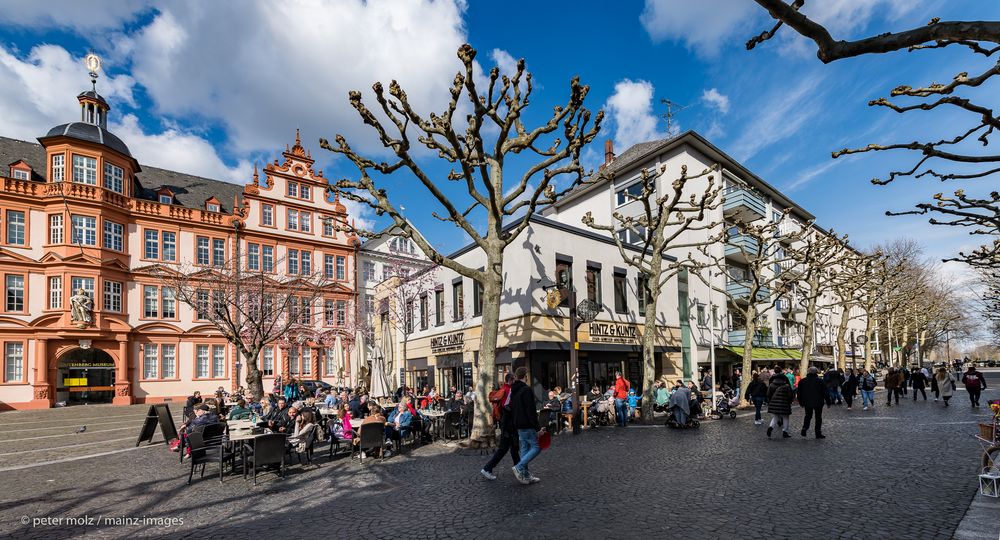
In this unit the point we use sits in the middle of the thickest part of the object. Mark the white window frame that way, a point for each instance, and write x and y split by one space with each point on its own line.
113 296
84 230
58 167
114 236
57 228
114 178
55 292
84 170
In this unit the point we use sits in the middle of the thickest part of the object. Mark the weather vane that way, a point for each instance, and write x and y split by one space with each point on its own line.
93 63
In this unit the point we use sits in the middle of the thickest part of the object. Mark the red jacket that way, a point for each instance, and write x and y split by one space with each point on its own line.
621 388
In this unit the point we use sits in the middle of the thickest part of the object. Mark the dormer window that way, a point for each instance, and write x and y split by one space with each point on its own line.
213 205
20 174
165 196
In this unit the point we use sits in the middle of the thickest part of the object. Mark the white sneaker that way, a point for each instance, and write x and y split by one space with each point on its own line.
865 409
520 477
487 474
758 422
533 479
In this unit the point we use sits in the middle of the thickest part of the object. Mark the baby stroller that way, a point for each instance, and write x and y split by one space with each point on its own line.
602 413
692 421
726 405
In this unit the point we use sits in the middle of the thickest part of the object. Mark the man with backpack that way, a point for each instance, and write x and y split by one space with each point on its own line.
499 400
974 384
867 385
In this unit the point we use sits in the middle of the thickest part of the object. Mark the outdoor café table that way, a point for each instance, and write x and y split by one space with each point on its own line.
437 417
356 423
327 411
241 436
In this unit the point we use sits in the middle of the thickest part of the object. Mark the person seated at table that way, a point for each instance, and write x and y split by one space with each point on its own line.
302 430
192 401
285 423
398 424
214 405
456 403
594 394
240 411
331 401
374 416
254 405
553 405
203 416
340 425
408 401
310 405
240 392
279 410
355 406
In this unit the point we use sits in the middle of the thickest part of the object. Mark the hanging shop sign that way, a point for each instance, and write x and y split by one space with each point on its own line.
448 343
613 333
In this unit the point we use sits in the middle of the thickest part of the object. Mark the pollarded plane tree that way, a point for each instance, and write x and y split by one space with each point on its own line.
959 157
856 285
752 284
905 280
988 302
253 306
812 266
497 208
672 218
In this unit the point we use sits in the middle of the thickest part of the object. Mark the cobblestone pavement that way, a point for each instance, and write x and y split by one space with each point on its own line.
900 472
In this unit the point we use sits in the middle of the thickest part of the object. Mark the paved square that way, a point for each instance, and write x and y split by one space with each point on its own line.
900 472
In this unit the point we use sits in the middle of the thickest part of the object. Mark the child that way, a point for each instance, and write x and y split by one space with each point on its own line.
633 402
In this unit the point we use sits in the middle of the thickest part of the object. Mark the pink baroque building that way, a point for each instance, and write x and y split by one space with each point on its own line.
79 213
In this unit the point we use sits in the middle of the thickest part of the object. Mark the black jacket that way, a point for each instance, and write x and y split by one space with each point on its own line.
779 395
812 392
756 389
522 407
918 380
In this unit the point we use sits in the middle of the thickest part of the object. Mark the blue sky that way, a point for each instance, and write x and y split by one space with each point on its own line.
210 87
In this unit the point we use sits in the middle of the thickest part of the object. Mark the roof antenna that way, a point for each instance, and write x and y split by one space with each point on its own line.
672 109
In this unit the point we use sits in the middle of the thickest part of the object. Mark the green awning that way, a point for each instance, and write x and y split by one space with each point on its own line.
769 353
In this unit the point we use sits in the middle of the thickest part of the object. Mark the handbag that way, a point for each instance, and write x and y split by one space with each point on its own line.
544 439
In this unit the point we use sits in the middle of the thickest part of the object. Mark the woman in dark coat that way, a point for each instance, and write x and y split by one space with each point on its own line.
779 403
850 387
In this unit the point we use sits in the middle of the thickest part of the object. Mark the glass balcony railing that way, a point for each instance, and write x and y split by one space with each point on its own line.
743 203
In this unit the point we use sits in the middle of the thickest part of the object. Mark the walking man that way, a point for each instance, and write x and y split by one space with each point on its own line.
974 384
522 409
867 385
811 394
621 399
893 380
508 433
918 380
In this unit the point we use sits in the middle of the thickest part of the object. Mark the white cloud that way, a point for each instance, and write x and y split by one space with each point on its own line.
278 66
716 100
504 61
39 91
176 150
778 114
630 111
72 14
703 27
715 130
810 174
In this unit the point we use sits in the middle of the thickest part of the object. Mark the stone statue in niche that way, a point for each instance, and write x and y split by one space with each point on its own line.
82 309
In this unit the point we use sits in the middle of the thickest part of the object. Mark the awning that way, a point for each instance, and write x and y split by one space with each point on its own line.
768 353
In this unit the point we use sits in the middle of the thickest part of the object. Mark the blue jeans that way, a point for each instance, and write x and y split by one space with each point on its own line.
758 402
621 411
868 398
529 448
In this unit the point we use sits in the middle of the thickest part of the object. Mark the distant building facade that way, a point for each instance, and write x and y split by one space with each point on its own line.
84 227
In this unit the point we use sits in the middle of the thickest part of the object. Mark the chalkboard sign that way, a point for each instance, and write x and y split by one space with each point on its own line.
467 373
635 373
584 377
158 414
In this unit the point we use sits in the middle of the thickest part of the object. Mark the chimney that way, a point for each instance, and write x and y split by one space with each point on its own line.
609 151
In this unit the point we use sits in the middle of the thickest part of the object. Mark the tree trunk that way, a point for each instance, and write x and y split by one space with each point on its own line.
255 384
841 334
751 329
869 358
483 433
649 353
809 330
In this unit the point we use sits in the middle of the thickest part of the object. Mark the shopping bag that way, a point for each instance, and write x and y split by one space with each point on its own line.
544 439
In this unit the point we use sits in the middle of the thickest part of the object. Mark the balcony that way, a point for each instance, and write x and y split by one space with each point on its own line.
742 248
742 204
792 341
760 339
739 291
791 267
787 306
786 230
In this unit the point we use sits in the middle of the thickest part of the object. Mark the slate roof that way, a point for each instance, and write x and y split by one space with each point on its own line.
90 133
189 190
